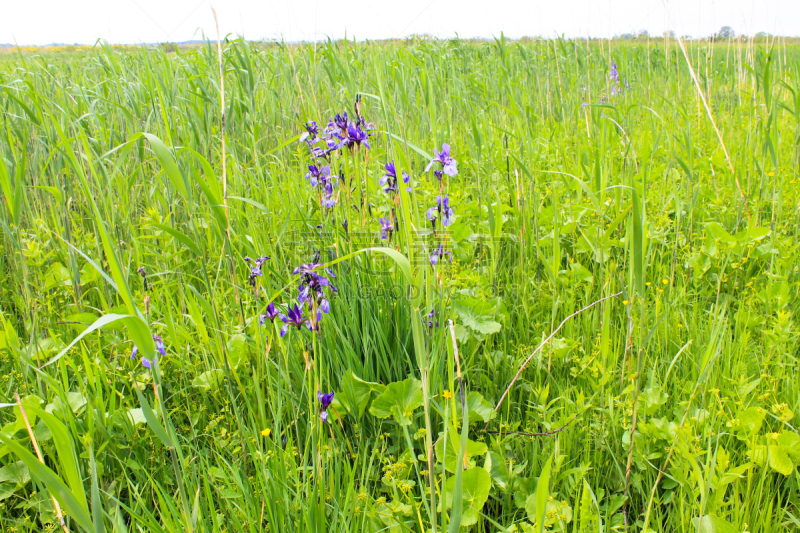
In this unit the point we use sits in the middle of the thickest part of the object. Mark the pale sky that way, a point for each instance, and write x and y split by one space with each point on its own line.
32 22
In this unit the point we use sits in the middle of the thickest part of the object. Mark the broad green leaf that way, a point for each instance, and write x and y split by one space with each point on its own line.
238 350
57 276
476 483
478 408
448 453
7 490
712 524
477 315
498 469
651 399
209 380
748 422
15 473
779 460
791 442
399 401
136 416
717 232
75 401
354 393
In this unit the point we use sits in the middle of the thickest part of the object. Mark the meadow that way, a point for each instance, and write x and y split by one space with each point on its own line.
521 286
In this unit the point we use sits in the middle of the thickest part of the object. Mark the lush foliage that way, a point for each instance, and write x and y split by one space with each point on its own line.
269 346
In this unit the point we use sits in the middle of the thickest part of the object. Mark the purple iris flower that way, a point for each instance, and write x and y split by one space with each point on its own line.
306 269
318 174
310 135
338 126
255 270
443 205
330 146
407 181
356 137
159 347
325 400
438 175
295 317
444 159
344 225
271 314
439 253
390 178
386 228
432 215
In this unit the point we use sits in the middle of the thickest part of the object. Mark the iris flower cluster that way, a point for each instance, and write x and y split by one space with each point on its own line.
312 292
616 87
341 132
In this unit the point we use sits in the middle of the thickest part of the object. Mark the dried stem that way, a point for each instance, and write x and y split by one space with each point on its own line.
542 434
59 514
542 345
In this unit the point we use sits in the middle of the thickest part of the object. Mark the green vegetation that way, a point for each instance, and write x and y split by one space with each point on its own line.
668 405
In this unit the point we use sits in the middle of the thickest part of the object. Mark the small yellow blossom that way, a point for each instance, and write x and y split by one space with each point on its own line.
266 432
447 394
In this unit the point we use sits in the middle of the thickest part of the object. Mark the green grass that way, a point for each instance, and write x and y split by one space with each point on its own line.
671 405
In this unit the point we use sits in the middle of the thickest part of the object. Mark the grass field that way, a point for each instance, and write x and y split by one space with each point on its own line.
598 332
